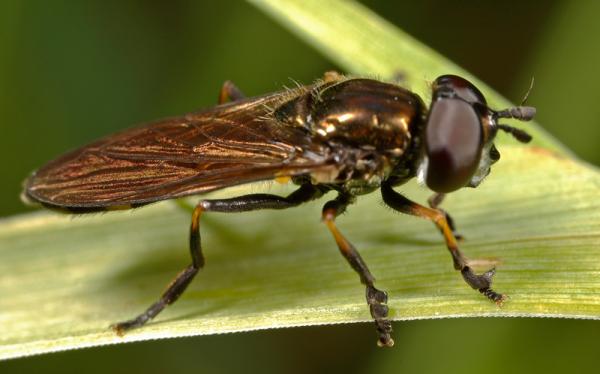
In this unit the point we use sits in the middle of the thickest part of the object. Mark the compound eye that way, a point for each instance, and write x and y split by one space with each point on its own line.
459 86
453 142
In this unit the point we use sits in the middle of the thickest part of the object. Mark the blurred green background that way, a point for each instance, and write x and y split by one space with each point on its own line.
71 71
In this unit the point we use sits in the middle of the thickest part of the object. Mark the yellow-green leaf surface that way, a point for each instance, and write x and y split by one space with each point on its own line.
64 279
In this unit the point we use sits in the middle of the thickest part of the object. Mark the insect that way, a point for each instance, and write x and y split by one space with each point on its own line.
345 135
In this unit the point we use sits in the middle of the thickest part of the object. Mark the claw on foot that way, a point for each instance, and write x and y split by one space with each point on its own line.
121 327
498 298
385 343
482 283
118 329
379 311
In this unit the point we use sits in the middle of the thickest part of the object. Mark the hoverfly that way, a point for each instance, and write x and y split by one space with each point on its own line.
347 135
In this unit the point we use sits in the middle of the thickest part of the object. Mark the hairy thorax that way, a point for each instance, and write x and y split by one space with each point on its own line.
368 127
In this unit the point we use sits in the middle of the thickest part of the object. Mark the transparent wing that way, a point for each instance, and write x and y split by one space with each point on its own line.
230 144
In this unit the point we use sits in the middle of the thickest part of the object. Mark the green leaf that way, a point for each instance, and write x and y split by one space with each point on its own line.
65 279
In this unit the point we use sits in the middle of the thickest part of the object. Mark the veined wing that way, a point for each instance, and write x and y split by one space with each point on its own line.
230 144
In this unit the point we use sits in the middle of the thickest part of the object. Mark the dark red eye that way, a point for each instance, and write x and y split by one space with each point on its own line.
460 87
453 142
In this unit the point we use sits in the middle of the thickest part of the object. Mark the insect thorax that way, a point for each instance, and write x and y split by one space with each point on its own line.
368 125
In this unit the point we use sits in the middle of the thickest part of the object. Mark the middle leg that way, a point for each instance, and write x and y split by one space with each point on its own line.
376 299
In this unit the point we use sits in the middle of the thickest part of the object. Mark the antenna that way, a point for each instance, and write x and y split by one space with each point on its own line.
518 134
522 113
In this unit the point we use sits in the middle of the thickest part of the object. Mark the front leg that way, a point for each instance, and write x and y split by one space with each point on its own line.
482 282
434 202
376 299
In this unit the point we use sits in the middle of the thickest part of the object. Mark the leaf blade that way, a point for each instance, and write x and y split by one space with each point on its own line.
256 280
65 280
